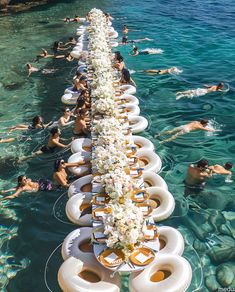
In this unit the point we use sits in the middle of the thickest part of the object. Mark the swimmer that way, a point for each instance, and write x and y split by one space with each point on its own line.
199 91
81 128
119 63
65 119
124 40
147 51
18 138
43 55
190 127
125 29
27 185
172 70
126 78
57 47
72 41
37 124
60 175
9 140
196 177
219 169
31 69
80 84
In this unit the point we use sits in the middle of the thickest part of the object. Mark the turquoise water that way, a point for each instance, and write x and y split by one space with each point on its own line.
196 36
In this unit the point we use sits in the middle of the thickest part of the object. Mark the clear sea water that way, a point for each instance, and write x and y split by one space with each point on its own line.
197 36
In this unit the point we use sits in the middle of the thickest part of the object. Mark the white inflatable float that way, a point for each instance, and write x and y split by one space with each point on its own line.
78 244
127 89
171 241
165 203
149 160
75 275
127 99
114 44
138 124
69 99
130 109
81 145
79 157
84 185
78 209
113 34
170 273
142 143
151 179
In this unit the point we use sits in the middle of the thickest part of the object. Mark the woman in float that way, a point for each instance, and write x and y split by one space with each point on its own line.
65 119
200 91
27 185
80 84
81 128
126 78
201 125
60 175
37 124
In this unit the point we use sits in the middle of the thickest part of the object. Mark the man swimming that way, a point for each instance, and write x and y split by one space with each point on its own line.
196 177
172 70
219 169
199 91
184 129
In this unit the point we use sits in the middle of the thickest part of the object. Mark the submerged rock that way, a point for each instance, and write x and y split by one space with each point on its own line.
211 283
225 275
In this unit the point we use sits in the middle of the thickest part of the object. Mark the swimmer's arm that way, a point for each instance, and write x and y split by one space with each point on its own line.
63 48
61 145
6 191
48 124
16 194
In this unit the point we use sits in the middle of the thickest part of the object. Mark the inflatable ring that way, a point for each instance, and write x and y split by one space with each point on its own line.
113 34
79 157
127 89
77 209
69 99
76 54
114 44
170 273
84 185
81 145
171 241
127 99
149 160
75 275
151 179
165 203
77 244
138 124
111 29
82 69
130 109
142 143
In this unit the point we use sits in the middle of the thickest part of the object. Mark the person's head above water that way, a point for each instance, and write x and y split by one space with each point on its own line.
37 120
135 49
55 131
228 165
58 163
220 86
21 180
203 163
204 122
28 65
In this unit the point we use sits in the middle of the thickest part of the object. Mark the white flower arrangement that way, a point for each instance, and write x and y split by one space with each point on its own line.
106 107
124 226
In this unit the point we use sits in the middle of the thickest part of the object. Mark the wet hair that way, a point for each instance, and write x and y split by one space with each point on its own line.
83 78
228 165
202 163
71 38
220 85
19 180
135 49
117 53
204 122
126 75
80 101
81 112
54 130
65 109
36 120
124 39
120 58
28 65
57 164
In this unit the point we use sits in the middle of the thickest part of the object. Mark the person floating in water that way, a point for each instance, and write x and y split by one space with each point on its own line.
125 29
184 129
147 51
197 174
43 55
199 91
32 69
219 169
172 70
27 185
37 124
